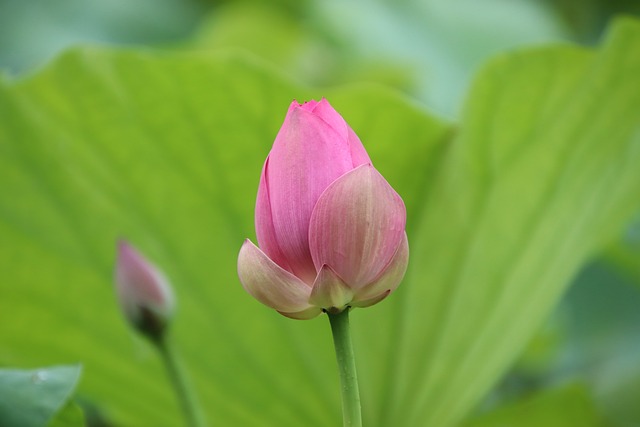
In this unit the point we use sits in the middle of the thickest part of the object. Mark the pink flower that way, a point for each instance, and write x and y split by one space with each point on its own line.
329 226
143 291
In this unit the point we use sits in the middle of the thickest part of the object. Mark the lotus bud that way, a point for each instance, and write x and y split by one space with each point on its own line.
143 291
330 229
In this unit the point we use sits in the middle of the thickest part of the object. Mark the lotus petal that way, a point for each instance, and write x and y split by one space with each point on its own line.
357 226
329 291
269 283
388 280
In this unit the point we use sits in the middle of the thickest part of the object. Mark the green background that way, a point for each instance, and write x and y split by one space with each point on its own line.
506 202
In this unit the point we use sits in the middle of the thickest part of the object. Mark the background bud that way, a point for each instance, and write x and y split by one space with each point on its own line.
143 291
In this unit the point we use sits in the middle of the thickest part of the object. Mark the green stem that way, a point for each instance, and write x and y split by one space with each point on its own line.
351 414
185 394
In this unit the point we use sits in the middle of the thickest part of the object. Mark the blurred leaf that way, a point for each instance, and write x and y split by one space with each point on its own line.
542 349
30 398
442 42
624 254
166 149
620 395
603 345
69 416
265 31
588 18
301 48
567 406
32 32
543 172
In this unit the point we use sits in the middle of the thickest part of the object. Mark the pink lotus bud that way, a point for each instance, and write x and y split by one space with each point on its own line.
143 291
329 226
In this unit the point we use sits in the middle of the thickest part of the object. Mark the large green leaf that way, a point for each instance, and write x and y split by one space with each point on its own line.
31 398
166 150
566 406
544 170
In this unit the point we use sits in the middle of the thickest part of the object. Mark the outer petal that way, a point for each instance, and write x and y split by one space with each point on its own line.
356 226
307 156
329 291
269 283
388 280
264 223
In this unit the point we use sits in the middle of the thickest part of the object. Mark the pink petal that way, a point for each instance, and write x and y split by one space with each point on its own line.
329 291
265 231
307 105
389 278
356 226
306 157
269 283
325 111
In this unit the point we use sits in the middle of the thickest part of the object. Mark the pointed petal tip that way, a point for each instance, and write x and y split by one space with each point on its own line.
123 244
294 104
309 105
329 290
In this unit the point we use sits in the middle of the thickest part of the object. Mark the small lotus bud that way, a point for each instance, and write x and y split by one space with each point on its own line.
143 291
331 230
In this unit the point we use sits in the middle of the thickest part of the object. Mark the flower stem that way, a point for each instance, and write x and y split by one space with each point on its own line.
178 379
351 414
